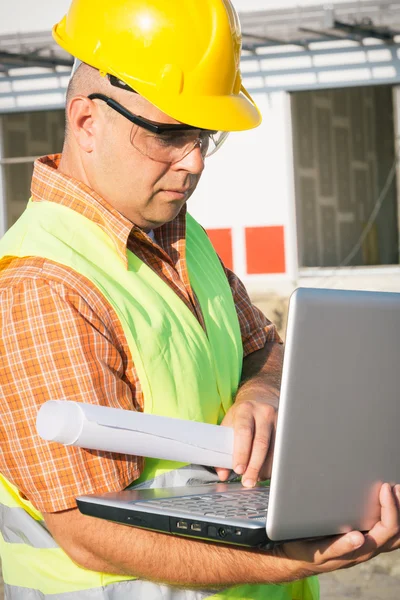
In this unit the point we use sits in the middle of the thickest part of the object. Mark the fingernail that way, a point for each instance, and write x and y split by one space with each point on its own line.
356 542
239 469
249 483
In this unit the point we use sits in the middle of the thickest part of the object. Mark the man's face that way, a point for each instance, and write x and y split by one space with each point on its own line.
149 193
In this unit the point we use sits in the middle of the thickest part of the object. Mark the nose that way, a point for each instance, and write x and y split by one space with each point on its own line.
193 162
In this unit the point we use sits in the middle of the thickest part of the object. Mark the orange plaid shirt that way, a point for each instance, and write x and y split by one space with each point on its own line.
60 339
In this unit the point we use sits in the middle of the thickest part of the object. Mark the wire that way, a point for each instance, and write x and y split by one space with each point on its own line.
375 211
373 216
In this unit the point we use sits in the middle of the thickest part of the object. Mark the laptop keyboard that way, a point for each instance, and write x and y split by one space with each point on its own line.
251 504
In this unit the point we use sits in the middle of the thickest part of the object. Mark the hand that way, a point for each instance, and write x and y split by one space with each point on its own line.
253 418
343 552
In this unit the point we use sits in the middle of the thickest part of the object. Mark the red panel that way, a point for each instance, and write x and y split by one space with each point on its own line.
265 250
221 239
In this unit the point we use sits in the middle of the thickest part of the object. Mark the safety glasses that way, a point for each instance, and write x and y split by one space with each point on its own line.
163 142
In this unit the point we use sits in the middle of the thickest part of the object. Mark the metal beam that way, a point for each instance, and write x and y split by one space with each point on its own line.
331 85
314 70
18 59
38 92
35 76
319 52
35 108
3 207
317 14
366 29
272 40
328 35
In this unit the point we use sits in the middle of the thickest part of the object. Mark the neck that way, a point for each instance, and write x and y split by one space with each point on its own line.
72 167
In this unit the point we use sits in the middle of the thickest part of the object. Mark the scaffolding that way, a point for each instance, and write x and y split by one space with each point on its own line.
304 26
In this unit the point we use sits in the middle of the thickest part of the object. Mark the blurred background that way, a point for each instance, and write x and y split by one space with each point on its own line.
310 198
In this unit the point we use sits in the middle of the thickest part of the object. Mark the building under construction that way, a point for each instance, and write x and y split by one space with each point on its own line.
311 196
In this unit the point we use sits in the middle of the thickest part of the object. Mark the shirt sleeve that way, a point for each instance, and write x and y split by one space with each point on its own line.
55 347
255 328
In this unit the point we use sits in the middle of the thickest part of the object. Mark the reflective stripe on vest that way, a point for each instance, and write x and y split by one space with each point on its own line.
175 360
137 590
128 590
18 527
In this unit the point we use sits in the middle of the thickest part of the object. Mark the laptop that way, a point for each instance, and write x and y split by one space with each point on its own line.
337 436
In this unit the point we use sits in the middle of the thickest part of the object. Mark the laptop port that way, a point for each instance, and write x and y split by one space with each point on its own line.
222 532
181 525
195 527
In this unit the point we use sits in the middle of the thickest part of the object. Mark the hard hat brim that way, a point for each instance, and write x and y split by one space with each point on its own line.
221 113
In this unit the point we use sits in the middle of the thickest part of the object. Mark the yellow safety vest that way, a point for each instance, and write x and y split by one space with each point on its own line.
184 373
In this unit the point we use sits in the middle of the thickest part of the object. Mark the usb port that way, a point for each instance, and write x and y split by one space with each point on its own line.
181 525
195 527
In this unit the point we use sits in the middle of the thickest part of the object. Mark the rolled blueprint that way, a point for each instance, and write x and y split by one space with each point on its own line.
127 432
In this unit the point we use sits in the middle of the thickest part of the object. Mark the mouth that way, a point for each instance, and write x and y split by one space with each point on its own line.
178 194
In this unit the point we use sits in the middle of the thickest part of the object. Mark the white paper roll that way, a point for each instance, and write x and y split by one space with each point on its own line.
127 432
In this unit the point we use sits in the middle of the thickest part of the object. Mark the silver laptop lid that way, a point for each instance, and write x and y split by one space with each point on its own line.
339 418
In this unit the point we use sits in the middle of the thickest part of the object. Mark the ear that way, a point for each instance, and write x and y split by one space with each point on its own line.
83 118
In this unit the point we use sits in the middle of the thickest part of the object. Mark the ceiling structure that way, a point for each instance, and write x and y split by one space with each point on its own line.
300 26
303 26
33 65
31 50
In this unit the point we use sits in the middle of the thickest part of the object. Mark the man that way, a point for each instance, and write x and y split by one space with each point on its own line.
112 294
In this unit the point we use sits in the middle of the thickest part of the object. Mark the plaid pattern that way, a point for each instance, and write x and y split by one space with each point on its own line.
62 340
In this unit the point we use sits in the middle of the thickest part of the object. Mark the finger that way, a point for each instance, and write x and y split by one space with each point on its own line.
325 550
397 496
259 453
396 544
244 427
338 547
385 535
396 541
266 469
223 474
388 526
390 518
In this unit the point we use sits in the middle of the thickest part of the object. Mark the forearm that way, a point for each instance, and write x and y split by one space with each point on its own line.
112 548
262 372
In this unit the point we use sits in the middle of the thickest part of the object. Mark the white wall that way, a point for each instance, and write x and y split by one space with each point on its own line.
249 173
249 183
23 16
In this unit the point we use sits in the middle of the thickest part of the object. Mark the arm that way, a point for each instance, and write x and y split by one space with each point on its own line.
67 347
254 413
262 372
119 549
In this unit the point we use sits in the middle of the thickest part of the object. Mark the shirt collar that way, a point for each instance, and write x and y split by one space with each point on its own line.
48 184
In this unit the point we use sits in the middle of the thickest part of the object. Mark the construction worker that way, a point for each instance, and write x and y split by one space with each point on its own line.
112 294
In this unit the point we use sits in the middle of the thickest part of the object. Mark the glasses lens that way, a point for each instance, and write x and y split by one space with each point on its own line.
215 141
173 146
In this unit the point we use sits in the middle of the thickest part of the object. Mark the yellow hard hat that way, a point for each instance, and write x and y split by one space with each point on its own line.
181 55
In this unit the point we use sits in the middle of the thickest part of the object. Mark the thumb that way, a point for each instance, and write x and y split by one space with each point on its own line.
342 545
